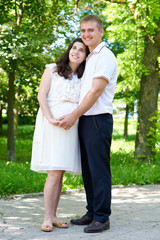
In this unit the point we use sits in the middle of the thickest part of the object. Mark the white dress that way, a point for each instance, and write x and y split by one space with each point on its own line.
55 148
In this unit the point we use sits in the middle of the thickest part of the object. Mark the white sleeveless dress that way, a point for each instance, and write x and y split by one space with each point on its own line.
55 148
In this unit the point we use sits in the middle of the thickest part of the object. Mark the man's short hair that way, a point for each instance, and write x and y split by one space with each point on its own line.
93 18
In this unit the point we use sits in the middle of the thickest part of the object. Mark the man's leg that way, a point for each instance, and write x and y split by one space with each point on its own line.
97 141
87 178
88 217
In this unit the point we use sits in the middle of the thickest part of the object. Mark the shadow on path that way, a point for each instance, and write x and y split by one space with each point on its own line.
135 216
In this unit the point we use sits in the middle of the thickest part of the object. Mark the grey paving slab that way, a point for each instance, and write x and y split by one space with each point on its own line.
135 216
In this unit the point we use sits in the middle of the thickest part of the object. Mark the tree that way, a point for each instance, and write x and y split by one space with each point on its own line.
26 30
144 148
144 17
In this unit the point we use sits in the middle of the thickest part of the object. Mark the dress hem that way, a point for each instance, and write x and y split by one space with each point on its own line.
75 172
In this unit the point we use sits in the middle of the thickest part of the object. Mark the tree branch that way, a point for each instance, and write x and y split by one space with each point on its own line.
117 1
29 67
21 11
77 2
15 7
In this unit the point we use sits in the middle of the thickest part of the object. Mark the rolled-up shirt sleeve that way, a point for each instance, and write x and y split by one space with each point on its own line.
105 67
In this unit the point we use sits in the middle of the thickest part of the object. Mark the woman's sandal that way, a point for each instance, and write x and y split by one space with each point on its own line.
46 228
60 225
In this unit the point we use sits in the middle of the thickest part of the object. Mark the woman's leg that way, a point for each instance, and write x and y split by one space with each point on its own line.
57 199
52 192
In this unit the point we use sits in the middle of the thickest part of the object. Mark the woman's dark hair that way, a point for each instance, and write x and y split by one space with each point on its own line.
63 67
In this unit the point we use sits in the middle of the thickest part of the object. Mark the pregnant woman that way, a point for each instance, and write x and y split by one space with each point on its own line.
56 150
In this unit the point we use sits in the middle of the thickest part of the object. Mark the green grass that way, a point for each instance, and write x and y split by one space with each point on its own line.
125 169
17 178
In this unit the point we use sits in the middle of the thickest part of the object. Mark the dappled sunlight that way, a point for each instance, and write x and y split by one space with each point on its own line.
135 195
133 209
24 207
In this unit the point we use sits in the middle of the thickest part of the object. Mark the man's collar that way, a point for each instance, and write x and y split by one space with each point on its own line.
99 47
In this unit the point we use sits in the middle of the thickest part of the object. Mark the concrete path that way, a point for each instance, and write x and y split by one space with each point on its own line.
135 216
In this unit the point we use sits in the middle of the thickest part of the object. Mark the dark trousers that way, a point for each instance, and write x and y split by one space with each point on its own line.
95 133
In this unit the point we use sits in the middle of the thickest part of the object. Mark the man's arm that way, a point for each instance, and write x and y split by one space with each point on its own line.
89 100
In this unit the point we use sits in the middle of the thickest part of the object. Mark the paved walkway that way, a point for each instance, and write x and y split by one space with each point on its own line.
135 216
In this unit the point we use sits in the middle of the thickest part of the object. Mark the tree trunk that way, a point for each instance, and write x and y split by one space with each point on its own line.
126 123
11 145
148 100
15 122
1 128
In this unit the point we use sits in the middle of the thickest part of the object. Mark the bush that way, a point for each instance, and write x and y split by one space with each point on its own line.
26 120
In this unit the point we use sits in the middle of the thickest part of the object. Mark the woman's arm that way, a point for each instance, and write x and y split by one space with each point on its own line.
44 88
89 100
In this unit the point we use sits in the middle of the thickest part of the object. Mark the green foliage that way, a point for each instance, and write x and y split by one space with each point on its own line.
33 33
72 181
147 14
3 89
136 25
125 169
140 174
122 29
16 177
28 32
153 136
131 24
158 128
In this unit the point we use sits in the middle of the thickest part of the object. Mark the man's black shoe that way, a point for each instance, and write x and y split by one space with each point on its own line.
82 221
95 227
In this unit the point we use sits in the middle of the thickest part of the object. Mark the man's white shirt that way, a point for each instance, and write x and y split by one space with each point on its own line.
101 62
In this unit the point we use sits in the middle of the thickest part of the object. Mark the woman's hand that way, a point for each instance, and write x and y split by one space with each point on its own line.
54 121
67 121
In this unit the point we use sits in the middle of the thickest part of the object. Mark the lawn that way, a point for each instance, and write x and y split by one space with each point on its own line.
17 178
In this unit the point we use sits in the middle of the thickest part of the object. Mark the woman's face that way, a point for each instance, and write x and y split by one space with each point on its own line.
77 53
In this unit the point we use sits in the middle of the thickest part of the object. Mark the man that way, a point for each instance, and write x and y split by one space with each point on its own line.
95 125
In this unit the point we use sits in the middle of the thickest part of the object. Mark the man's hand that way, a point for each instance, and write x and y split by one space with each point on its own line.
67 121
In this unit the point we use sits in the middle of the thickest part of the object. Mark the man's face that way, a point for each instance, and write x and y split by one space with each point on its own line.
91 34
